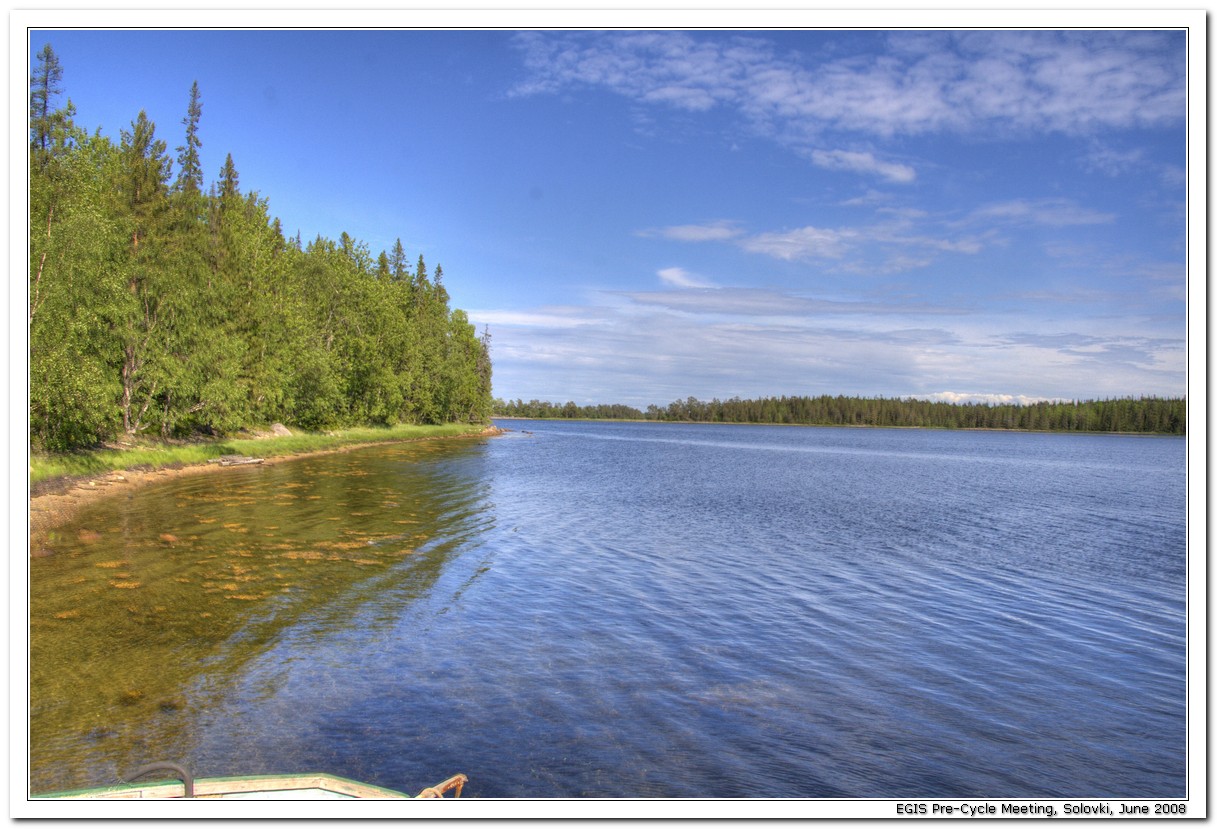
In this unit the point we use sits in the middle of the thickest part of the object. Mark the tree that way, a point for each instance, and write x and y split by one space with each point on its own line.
146 173
77 296
463 395
399 268
485 372
159 307
143 191
190 172
230 184
52 176
44 87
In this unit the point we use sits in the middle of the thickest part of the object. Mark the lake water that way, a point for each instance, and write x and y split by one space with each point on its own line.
636 610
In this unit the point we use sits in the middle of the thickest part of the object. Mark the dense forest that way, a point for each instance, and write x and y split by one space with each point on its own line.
1146 414
161 305
543 409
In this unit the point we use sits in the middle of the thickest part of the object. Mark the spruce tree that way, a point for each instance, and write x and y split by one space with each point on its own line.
190 168
146 172
398 266
230 184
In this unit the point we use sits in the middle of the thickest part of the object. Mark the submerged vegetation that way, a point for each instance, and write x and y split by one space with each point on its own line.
159 454
1152 415
159 307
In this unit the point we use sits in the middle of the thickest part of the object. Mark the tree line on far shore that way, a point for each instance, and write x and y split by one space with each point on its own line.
159 305
1146 415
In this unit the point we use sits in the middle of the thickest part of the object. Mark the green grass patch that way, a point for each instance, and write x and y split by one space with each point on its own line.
45 467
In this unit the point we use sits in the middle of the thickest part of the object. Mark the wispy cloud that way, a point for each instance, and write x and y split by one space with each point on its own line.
742 303
717 231
1060 81
1110 348
900 240
680 278
664 345
866 163
803 243
870 198
983 283
905 240
1055 212
1110 161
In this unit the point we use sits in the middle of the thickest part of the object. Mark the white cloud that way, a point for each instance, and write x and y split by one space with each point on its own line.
1110 161
763 303
1054 212
870 198
542 318
904 240
885 247
710 232
802 243
680 278
981 397
1076 82
654 347
859 162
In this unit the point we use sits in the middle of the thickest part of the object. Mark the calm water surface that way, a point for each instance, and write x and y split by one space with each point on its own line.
636 610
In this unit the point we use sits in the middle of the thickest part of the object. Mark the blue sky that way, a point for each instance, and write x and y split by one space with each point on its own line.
641 216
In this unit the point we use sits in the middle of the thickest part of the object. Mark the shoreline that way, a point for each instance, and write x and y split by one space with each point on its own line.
1010 429
59 500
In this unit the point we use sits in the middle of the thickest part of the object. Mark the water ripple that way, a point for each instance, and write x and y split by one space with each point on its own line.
667 611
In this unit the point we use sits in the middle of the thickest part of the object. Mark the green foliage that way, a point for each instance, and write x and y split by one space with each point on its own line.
1148 415
190 172
543 409
174 311
70 399
45 85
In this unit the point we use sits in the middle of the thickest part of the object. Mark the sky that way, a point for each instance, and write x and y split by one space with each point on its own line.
640 216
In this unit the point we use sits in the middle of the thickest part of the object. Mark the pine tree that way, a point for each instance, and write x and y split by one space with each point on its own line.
44 86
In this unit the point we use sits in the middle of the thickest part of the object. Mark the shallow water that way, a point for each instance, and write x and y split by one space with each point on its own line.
621 610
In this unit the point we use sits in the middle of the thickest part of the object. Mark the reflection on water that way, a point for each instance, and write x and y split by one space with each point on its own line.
675 611
151 606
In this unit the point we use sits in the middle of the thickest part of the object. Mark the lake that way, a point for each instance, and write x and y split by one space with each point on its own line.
580 609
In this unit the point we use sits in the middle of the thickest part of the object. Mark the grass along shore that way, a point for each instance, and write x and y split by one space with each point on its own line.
146 455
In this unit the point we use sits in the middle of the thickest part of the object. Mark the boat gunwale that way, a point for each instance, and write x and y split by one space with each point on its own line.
207 788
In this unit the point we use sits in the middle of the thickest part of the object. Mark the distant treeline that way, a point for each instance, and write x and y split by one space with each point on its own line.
158 305
1151 415
543 409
